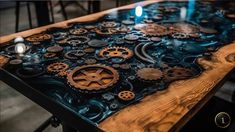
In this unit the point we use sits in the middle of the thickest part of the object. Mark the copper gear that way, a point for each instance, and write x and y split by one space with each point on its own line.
114 51
184 28
57 67
177 73
93 77
49 55
126 95
79 31
152 29
108 31
38 38
149 74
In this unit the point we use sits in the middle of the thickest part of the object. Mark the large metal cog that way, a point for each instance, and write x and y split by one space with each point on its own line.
153 29
93 77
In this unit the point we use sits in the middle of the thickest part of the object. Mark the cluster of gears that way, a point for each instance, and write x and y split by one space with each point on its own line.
120 61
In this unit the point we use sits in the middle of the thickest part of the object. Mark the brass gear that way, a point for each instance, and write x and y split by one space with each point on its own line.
38 38
79 31
57 67
93 77
177 73
153 29
105 32
126 95
149 74
114 51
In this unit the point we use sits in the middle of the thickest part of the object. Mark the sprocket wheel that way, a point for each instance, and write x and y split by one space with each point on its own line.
111 52
57 67
93 77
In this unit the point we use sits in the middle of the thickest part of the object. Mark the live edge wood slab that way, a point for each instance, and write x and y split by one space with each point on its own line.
166 110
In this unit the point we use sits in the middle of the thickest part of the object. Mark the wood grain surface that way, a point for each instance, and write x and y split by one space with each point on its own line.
167 110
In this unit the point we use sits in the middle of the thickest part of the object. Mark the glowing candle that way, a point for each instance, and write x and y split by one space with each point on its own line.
138 11
20 48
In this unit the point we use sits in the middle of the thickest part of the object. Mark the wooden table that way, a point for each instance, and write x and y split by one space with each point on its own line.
166 110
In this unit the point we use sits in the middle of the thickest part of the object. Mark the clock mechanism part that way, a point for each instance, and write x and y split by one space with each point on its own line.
57 67
93 77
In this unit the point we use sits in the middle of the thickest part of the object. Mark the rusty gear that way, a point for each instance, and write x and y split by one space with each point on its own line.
177 73
55 49
149 74
184 28
79 31
74 54
114 51
105 32
57 67
153 29
89 50
49 55
93 77
126 95
38 38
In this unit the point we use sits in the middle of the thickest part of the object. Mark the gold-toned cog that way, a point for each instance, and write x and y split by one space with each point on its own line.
79 31
126 95
93 77
177 73
38 38
63 73
153 29
57 67
149 74
105 32
114 51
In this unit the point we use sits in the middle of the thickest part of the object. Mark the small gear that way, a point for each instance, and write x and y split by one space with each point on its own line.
55 49
105 32
39 38
131 37
89 50
112 52
93 77
128 22
49 55
149 74
177 73
90 61
16 62
153 29
97 43
74 54
57 67
78 40
126 95
109 24
79 31
123 29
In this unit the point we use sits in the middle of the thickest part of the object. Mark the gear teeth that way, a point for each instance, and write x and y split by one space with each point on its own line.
117 53
92 77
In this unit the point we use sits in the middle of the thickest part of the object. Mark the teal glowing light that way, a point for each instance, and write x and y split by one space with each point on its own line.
191 6
138 11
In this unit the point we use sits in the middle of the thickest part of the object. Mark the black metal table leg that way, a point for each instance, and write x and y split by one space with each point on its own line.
17 13
42 13
95 6
44 125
